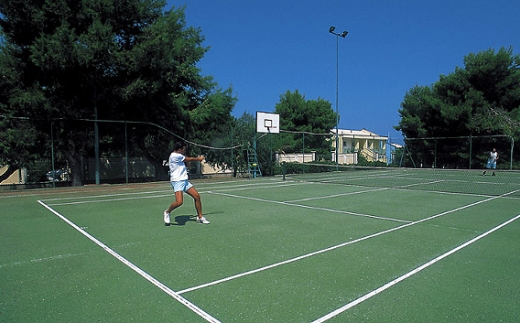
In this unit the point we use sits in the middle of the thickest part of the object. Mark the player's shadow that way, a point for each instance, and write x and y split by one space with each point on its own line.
182 219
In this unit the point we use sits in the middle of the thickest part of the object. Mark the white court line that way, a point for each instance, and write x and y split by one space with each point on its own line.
336 195
263 185
310 207
138 270
89 197
411 273
21 263
419 184
99 199
247 273
56 257
134 196
334 178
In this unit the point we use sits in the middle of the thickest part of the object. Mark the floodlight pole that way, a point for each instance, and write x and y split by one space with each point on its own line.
343 35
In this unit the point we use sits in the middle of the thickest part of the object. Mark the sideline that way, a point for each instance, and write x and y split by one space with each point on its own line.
411 273
138 270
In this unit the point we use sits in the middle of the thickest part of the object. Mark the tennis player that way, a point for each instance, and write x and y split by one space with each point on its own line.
180 184
492 161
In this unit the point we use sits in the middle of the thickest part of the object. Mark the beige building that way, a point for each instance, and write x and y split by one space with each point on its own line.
351 142
10 175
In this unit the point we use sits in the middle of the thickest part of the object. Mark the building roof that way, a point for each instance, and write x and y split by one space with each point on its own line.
362 134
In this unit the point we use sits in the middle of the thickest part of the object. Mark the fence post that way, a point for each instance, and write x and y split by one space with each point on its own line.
52 155
470 150
126 154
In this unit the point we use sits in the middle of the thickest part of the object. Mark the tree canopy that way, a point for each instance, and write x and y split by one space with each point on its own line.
65 64
480 99
298 115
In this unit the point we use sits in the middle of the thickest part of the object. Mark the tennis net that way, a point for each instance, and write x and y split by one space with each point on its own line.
427 179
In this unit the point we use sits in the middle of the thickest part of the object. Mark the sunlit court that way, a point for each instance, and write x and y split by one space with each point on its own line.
345 245
259 161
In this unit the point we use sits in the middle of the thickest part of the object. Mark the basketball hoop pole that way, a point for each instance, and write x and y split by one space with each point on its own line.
254 149
270 149
268 123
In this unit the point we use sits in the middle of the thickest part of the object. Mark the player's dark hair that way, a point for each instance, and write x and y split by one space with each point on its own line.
178 145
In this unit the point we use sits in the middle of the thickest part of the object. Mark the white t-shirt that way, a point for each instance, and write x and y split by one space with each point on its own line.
493 156
178 170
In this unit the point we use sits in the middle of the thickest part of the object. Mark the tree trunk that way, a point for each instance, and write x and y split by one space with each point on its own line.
76 169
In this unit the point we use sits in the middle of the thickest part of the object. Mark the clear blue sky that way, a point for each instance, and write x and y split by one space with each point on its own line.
263 48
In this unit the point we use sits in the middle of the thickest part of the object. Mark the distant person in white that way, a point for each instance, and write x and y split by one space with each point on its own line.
180 184
492 161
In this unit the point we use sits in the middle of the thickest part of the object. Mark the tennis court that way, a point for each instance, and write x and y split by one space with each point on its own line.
387 245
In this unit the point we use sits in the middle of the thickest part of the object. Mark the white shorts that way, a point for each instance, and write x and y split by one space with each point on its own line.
181 185
491 164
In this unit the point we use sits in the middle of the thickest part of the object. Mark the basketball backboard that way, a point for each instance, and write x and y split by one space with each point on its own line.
267 122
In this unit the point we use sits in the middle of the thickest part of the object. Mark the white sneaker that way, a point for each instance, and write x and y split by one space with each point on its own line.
166 218
202 220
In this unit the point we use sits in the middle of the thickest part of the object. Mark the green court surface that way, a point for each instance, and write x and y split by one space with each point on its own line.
354 246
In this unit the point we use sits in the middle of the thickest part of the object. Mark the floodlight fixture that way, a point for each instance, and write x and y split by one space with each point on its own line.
332 31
